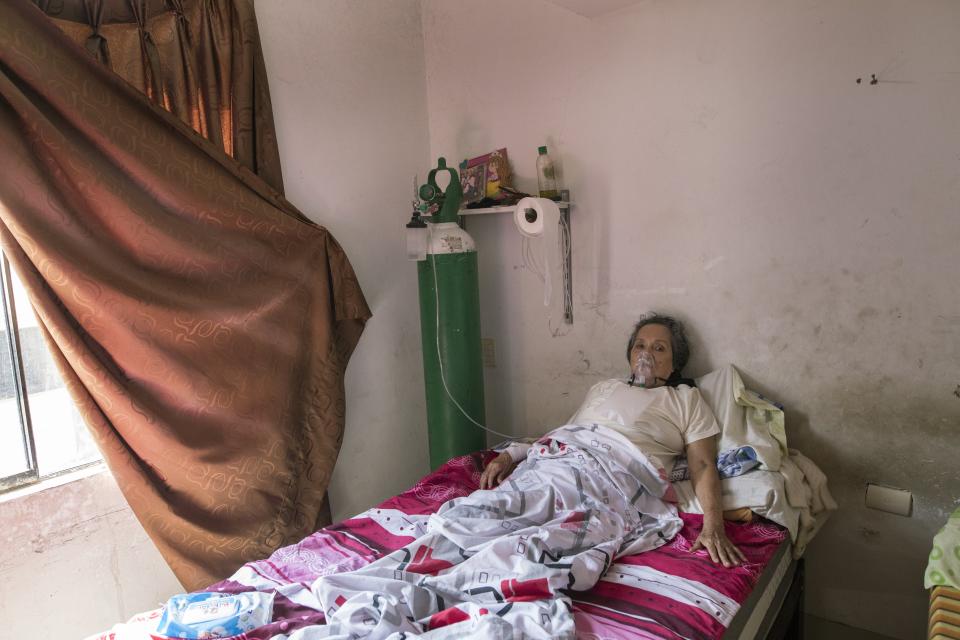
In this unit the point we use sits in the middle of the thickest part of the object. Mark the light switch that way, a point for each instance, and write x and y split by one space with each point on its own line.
489 353
889 499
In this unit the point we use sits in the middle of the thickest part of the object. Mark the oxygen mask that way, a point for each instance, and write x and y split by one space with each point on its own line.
643 365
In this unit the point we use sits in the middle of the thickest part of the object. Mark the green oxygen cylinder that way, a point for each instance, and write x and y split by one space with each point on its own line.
450 327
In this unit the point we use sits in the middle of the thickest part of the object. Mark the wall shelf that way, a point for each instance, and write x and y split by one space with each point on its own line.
564 206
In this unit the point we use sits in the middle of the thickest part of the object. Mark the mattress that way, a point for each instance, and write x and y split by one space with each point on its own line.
671 593
667 593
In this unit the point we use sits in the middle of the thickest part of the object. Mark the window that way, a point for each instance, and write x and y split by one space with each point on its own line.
41 432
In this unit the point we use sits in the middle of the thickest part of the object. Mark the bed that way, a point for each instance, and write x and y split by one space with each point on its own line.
664 593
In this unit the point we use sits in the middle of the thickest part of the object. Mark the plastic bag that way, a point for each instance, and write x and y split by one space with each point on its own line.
201 616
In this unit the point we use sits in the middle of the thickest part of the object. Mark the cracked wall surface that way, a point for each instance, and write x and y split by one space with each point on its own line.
74 560
727 166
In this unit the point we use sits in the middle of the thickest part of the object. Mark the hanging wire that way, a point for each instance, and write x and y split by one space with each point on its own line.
443 376
565 248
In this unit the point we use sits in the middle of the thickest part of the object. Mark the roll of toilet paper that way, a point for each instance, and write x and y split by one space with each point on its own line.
538 219
536 216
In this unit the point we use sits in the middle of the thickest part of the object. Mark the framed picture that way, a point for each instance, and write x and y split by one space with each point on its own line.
482 177
473 182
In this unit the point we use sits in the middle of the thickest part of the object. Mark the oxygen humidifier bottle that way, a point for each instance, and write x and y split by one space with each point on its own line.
546 176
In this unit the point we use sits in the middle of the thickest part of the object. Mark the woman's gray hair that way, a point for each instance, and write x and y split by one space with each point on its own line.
678 337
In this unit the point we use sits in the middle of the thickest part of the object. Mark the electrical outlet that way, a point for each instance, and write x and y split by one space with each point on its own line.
489 353
889 499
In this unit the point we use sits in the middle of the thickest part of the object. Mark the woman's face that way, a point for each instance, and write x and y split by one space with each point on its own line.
655 340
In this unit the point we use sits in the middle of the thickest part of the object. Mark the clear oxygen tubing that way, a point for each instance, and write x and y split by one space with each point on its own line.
443 375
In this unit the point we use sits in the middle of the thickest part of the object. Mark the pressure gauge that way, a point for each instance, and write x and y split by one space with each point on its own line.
428 192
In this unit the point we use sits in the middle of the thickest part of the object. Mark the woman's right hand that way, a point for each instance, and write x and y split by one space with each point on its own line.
497 470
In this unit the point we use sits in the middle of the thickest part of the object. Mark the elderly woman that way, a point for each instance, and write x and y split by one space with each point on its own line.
549 519
663 415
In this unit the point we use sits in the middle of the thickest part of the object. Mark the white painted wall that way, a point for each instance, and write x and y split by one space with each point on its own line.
728 168
348 87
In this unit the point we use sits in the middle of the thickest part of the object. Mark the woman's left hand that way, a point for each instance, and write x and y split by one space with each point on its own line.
496 471
718 545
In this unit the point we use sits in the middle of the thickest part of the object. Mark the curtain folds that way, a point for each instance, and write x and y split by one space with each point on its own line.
199 59
202 324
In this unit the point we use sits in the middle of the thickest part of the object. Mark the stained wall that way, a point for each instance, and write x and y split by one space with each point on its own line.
74 560
727 167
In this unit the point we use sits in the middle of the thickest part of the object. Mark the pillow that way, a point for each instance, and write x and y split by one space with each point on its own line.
746 418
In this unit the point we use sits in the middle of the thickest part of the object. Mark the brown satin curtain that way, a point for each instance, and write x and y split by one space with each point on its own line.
198 59
202 324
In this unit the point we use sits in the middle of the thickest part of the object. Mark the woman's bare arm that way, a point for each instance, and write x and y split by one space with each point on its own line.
702 460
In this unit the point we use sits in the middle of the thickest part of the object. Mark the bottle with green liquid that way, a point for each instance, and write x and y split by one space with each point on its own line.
547 175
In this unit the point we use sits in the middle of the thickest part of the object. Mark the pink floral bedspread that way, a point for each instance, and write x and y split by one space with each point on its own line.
666 593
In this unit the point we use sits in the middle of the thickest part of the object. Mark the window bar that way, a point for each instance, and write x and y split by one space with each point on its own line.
13 340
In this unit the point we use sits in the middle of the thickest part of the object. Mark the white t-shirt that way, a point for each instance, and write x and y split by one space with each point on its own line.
660 421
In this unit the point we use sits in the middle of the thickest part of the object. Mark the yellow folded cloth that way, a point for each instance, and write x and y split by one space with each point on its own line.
944 614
